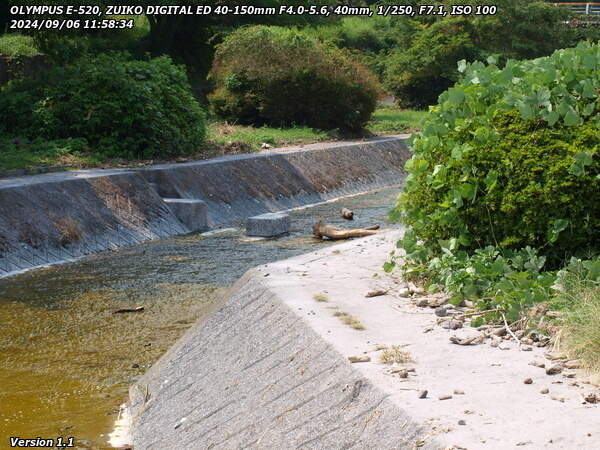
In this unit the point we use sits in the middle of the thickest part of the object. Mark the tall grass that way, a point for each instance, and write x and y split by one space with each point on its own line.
579 337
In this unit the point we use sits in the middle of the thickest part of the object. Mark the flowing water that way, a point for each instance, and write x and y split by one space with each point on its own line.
67 359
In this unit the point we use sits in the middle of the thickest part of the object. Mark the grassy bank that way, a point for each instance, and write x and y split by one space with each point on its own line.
223 139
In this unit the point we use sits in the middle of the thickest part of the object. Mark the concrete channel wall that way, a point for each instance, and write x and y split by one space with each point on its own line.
269 371
51 218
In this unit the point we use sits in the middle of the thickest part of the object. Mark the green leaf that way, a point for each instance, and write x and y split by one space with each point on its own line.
581 160
388 266
467 191
456 96
588 89
590 61
588 109
552 117
572 118
491 180
462 66
526 112
556 227
584 158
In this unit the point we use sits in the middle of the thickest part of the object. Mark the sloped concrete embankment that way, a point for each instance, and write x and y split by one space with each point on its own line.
242 186
51 218
258 375
269 370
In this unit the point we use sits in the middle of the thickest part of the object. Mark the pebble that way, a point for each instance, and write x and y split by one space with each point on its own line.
544 391
444 397
573 364
452 324
528 381
499 332
541 365
526 348
423 303
569 374
441 311
435 302
503 346
554 369
423 394
558 399
462 422
591 397
404 292
459 392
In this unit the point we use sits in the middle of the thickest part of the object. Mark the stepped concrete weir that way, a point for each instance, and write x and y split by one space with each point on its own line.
51 218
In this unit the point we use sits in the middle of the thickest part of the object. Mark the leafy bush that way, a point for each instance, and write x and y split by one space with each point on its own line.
511 157
520 29
277 76
368 40
509 280
418 75
13 44
121 107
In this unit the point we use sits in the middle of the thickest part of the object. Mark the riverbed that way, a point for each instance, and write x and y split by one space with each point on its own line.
67 359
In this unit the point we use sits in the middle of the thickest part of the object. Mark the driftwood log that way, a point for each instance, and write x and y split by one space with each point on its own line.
323 230
347 214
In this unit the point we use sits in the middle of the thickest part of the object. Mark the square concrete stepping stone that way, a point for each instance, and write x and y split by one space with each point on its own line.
191 212
268 225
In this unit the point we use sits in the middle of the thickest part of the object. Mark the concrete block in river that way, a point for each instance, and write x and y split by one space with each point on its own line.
192 213
267 225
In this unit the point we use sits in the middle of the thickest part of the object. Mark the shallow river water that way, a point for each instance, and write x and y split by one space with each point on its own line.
67 359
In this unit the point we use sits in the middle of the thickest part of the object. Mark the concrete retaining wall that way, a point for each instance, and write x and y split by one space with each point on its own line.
50 218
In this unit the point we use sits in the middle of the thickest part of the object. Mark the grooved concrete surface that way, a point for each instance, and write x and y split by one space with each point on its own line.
241 186
257 375
269 370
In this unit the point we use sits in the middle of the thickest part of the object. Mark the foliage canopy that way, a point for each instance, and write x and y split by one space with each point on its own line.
281 76
121 107
511 157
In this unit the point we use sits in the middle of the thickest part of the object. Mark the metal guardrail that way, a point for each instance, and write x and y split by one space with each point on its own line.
586 8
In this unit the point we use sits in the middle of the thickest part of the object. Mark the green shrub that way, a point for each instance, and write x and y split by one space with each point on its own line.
511 157
418 75
369 41
121 107
278 76
521 29
13 44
